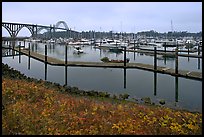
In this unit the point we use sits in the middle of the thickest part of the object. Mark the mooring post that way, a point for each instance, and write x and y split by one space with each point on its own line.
45 70
176 61
46 53
9 43
19 47
124 56
29 49
65 54
13 52
155 58
165 47
199 49
36 47
188 49
24 43
19 52
29 55
66 75
134 45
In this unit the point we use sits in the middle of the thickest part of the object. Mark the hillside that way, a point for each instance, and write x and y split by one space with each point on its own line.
35 107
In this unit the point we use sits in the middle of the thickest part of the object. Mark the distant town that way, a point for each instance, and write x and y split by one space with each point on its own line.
146 39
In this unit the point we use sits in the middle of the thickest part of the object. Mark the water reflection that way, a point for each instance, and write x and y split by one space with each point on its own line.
176 89
19 57
28 62
198 63
66 74
45 70
132 81
155 83
124 78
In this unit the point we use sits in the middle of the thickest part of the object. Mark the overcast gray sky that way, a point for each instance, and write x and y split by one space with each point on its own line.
106 16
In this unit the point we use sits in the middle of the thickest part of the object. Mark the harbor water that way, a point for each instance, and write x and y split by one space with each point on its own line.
179 93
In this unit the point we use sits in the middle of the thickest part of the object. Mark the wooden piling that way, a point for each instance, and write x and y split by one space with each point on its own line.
198 49
36 47
19 47
65 74
155 58
29 49
65 54
188 49
13 51
124 56
176 61
45 53
165 48
29 61
9 43
19 52
24 43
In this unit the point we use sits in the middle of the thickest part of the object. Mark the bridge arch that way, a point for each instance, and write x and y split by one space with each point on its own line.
30 29
8 29
42 28
62 22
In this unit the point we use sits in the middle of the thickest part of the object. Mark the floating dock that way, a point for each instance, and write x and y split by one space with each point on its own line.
160 69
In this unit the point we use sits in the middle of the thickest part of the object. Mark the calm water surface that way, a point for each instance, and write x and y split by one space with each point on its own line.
178 92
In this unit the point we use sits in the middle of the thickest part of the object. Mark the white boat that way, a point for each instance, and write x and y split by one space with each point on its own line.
159 46
85 42
77 49
109 43
74 43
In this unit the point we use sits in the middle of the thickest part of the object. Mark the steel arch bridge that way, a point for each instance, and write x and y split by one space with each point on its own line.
14 28
62 22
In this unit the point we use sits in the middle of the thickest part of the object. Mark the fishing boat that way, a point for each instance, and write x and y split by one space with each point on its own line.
77 49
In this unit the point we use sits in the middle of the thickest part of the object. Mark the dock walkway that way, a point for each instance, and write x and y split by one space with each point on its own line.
160 69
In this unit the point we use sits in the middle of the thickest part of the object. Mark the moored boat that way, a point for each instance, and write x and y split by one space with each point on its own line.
77 49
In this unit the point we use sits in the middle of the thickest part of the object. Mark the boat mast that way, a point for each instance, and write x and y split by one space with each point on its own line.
121 23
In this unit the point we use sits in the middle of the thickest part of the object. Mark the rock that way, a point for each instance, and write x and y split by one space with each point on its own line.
146 100
123 96
162 102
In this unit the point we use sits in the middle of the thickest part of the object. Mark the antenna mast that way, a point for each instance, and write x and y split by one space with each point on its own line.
172 26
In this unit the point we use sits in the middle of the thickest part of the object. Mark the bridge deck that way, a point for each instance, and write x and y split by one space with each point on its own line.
160 69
